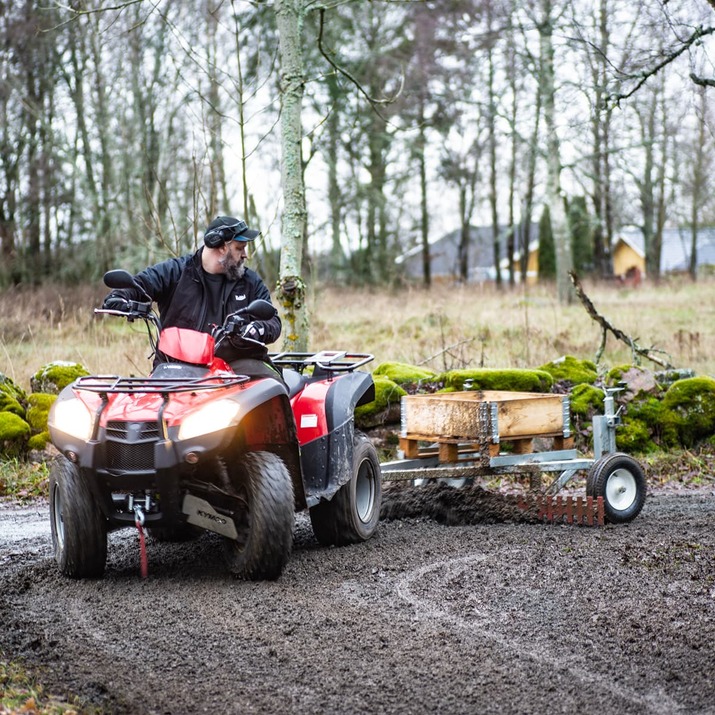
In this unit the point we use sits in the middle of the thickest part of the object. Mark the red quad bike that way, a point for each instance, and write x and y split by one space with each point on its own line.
198 445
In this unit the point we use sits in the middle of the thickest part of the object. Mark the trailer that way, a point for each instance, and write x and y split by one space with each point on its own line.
482 433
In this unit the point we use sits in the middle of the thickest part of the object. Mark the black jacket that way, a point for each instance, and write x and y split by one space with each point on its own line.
178 286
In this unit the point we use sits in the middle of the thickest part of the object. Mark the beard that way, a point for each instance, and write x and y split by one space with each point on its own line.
234 269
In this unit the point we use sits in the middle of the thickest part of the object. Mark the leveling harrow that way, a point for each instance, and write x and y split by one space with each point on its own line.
474 434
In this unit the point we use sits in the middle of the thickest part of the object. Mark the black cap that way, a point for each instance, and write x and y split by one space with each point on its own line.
227 228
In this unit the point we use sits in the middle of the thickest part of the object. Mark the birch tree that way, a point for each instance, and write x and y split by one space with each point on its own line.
698 181
554 196
291 287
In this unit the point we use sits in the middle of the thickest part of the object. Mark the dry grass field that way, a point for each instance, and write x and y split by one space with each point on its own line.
476 326
444 328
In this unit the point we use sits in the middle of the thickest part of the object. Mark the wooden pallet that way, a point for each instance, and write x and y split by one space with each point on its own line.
480 420
449 450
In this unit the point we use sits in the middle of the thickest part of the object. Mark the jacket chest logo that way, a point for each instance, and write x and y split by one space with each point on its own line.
240 297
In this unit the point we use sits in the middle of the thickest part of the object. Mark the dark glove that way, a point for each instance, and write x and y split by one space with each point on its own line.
115 302
254 331
233 325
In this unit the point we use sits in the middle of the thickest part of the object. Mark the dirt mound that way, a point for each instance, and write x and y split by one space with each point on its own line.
451 505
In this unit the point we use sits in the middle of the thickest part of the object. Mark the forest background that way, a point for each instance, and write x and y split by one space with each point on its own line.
127 126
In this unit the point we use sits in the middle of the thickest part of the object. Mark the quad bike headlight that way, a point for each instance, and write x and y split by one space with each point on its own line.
73 418
212 417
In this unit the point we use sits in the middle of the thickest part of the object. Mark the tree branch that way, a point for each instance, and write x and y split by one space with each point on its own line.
606 327
373 102
702 81
644 76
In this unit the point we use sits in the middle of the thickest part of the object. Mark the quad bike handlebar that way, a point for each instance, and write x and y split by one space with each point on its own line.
232 328
135 310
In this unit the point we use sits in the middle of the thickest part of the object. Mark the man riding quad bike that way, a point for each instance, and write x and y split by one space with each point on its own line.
203 445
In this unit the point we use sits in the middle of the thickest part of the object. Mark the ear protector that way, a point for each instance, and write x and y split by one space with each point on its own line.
216 237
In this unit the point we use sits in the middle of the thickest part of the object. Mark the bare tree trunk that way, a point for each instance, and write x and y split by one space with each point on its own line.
511 237
600 129
291 288
554 197
661 184
217 194
376 216
424 213
463 251
651 181
107 246
241 105
491 126
337 255
525 238
699 180
11 149
465 177
647 200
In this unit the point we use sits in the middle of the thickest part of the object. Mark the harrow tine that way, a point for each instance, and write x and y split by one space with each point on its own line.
562 510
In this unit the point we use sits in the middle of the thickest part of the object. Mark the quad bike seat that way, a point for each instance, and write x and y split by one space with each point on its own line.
256 368
294 381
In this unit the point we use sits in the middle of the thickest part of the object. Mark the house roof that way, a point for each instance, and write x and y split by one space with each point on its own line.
444 254
634 242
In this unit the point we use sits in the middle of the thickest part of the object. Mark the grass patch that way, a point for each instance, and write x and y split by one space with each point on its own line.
689 469
21 693
23 481
453 327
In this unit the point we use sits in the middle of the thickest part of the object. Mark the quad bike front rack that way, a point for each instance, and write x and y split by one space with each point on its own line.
111 384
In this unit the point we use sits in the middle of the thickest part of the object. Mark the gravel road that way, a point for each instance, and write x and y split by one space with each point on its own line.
463 616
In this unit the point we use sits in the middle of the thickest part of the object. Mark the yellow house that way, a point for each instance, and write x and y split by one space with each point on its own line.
532 265
627 254
627 257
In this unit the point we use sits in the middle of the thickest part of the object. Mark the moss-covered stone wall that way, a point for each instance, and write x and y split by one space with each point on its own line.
23 417
656 412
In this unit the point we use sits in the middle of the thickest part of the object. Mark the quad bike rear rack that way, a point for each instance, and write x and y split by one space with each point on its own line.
328 360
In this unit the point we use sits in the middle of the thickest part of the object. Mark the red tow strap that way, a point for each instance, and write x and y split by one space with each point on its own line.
143 560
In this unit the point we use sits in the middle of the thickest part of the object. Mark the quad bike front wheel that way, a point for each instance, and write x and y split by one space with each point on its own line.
266 530
79 529
352 515
619 479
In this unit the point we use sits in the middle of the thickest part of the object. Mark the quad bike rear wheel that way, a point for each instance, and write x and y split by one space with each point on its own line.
79 529
619 479
266 533
352 515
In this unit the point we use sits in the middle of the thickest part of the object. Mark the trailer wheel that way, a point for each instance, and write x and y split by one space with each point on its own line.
266 528
619 479
352 515
79 529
